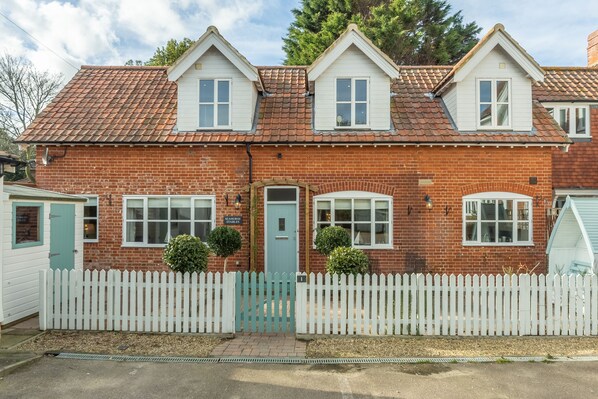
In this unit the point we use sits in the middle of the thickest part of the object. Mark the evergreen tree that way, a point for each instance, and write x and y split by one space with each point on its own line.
418 32
167 55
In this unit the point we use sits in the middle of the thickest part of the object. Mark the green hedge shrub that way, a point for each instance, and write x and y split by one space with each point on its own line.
345 260
331 237
186 253
224 241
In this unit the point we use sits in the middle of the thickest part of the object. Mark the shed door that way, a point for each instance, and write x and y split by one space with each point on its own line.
62 236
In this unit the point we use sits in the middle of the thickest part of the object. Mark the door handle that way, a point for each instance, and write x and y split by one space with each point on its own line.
281 237
51 254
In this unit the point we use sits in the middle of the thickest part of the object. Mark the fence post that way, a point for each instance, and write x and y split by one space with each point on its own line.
301 303
43 286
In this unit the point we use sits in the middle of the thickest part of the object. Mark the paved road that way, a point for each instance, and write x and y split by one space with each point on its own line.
55 378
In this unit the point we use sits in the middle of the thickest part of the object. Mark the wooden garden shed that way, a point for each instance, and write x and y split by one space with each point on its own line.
40 230
573 244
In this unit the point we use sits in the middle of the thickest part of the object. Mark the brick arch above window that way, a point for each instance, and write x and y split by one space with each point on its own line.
358 185
498 187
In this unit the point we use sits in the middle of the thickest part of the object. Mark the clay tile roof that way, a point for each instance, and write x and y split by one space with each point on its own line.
138 105
568 84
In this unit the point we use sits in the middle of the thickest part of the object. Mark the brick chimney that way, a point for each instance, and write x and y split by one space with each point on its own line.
593 49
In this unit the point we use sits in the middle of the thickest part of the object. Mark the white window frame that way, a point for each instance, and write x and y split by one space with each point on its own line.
145 220
498 196
215 103
571 107
356 195
96 218
494 104
352 102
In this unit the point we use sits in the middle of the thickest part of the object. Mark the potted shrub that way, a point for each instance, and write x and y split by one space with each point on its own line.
224 241
329 238
186 253
343 260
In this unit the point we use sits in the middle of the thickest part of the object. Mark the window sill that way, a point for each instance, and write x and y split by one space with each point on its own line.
369 247
359 127
27 245
219 128
141 245
90 241
496 128
498 244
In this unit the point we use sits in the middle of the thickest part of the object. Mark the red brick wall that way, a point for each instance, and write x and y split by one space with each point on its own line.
425 240
576 168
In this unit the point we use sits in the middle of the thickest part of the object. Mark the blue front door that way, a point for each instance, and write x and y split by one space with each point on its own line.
62 236
281 238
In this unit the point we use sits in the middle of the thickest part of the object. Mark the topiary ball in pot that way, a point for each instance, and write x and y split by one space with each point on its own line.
330 238
345 260
186 253
224 241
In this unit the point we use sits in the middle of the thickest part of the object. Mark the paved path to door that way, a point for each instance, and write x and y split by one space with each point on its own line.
262 345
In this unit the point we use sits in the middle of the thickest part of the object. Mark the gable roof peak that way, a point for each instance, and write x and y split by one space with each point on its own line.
496 36
352 36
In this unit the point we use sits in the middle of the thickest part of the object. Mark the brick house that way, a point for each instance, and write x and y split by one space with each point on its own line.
430 168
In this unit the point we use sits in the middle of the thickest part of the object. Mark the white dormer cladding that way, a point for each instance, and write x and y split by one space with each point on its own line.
213 62
491 88
365 72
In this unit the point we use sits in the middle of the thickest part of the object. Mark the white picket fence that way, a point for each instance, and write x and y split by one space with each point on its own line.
418 304
137 301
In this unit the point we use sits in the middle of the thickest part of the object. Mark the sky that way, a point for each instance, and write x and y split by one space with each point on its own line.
71 33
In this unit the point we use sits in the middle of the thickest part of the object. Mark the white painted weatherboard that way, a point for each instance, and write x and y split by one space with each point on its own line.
21 266
352 64
214 65
464 111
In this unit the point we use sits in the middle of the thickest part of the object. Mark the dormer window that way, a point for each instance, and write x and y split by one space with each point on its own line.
351 102
214 103
494 96
573 119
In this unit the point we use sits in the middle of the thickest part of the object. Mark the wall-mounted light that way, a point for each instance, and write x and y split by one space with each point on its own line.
429 203
238 200
538 199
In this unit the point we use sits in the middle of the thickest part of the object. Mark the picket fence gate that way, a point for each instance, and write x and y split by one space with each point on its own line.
418 304
408 304
137 301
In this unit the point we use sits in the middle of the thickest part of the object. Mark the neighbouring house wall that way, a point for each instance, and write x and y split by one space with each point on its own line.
488 68
352 64
427 241
577 167
214 65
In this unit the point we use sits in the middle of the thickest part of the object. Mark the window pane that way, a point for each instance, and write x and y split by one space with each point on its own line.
361 90
488 208
523 210
282 194
134 231
90 229
485 115
203 210
342 210
361 114
180 209
505 209
502 91
135 209
381 213
206 91
90 211
223 91
362 234
564 119
157 209
343 90
382 233
502 114
505 232
206 115
343 114
202 229
488 232
178 228
471 231
223 115
156 232
485 91
323 211
27 224
523 231
580 121
471 210
362 211
93 201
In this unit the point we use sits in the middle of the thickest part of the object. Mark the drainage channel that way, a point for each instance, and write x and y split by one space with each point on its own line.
290 360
